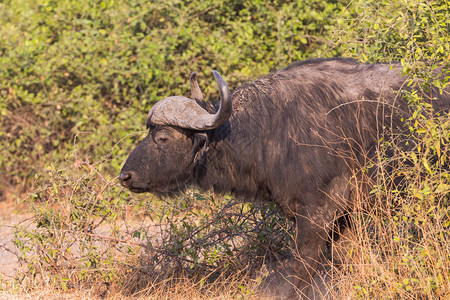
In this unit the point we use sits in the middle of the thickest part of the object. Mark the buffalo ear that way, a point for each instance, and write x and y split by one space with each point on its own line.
200 147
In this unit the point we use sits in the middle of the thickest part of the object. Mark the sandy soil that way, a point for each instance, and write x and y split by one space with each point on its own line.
9 263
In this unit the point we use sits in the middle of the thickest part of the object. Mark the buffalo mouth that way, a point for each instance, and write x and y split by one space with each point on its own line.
139 190
162 192
169 188
136 188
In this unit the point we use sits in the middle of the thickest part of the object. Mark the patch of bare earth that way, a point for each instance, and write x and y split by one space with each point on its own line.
9 219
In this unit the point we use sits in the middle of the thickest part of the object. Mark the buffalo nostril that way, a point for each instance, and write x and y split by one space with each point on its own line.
124 176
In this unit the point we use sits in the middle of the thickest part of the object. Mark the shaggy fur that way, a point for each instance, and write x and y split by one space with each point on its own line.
294 138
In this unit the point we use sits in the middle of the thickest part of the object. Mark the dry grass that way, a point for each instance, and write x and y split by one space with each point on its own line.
399 246
43 294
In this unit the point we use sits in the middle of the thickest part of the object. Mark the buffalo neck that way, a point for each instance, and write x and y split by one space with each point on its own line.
229 165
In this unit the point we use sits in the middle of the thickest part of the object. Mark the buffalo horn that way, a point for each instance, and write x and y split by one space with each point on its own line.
196 92
187 113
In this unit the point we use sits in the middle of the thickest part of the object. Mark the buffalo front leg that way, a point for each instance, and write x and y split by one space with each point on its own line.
311 237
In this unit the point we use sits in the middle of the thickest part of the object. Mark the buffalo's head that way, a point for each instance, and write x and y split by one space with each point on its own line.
163 162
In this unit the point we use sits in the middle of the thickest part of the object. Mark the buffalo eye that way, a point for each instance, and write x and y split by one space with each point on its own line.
161 137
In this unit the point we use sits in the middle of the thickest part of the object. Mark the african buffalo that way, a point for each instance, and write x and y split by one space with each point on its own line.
294 137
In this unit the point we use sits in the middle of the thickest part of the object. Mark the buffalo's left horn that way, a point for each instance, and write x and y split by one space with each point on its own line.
196 92
187 113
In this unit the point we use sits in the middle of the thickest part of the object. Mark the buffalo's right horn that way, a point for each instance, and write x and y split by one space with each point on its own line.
187 113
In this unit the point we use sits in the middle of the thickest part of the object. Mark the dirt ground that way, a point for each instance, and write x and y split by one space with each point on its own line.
9 263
